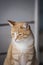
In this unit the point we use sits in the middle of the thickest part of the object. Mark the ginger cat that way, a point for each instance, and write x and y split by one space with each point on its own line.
21 50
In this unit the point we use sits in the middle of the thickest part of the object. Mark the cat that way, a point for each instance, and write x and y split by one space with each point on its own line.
21 50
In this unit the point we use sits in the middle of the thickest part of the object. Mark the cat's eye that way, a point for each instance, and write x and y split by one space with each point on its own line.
20 34
21 27
12 33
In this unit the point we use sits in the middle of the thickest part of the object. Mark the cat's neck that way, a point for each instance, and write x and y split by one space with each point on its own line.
23 44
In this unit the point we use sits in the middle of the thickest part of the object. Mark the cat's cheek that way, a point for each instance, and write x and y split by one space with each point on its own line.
13 38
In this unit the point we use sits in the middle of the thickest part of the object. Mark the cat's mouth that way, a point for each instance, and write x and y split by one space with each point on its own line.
18 39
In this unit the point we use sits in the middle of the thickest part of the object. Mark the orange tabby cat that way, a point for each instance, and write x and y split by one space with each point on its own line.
21 50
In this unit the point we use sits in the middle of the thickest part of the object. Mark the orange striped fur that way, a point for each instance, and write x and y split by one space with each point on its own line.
17 55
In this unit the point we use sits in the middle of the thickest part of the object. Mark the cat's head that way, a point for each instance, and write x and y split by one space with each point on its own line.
19 30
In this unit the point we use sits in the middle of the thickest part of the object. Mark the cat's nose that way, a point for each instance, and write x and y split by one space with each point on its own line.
16 33
16 38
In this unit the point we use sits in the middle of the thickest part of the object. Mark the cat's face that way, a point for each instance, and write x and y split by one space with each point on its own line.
19 30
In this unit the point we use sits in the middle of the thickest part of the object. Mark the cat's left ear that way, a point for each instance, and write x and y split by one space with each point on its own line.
27 26
11 23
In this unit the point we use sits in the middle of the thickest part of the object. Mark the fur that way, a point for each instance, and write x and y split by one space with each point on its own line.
21 50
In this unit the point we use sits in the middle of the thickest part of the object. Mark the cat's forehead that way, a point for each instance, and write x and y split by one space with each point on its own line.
13 23
20 23
18 26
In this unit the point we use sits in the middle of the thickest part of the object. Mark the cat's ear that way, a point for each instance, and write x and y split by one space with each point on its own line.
26 25
29 27
11 23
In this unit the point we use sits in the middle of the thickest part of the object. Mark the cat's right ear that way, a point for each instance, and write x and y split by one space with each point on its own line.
11 23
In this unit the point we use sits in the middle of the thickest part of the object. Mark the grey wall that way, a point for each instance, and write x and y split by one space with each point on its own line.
17 10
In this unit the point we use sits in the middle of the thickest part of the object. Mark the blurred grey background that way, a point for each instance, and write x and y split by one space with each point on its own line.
18 10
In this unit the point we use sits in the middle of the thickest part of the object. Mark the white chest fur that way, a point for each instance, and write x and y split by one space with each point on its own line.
22 45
